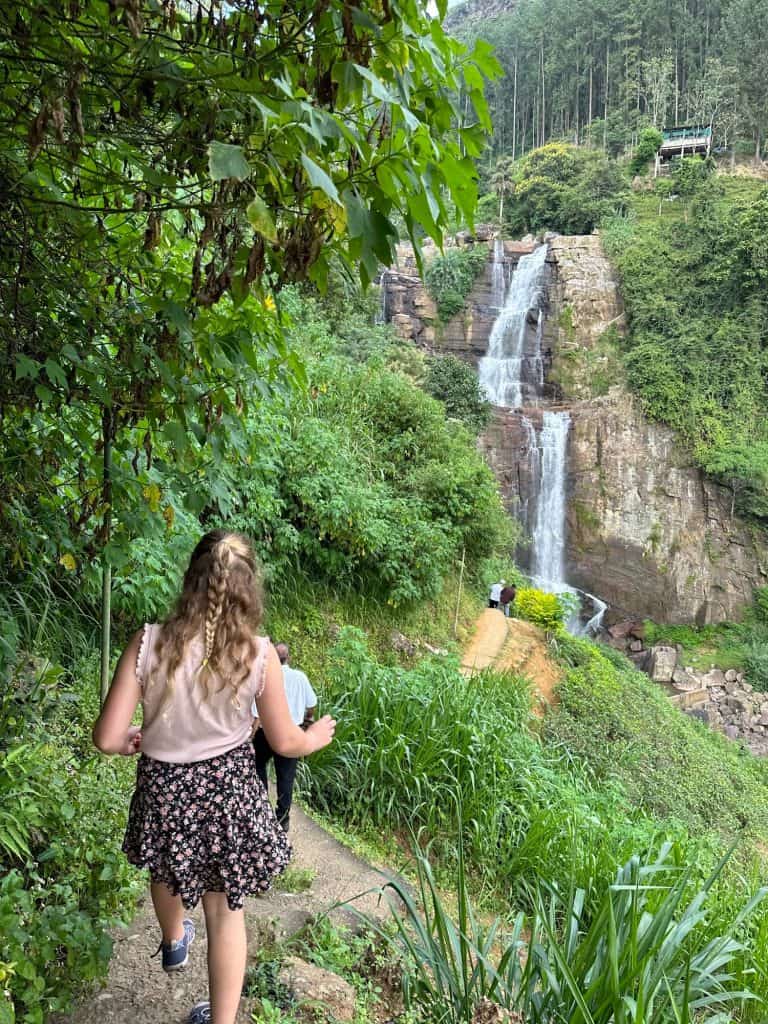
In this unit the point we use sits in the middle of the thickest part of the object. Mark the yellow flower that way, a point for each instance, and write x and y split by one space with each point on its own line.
68 562
269 304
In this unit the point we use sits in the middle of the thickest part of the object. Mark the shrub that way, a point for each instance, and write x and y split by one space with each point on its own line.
564 188
761 604
457 386
756 664
537 606
647 147
643 943
450 276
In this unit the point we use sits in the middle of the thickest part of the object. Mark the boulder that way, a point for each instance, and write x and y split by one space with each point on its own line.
732 732
684 681
620 630
663 661
326 992
401 644
714 678
636 646
730 675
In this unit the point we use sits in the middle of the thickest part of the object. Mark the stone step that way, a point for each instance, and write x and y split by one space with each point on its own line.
690 698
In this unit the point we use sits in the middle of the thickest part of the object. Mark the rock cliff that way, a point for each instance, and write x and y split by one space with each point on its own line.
412 311
647 531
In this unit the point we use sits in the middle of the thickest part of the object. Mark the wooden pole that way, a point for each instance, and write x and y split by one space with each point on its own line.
458 596
106 568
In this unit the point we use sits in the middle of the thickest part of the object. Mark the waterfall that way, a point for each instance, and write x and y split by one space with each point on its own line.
498 279
381 315
512 376
549 528
505 372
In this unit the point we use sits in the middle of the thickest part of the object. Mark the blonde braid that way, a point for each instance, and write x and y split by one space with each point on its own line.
218 576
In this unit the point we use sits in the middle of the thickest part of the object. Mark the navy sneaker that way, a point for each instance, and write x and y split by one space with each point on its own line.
200 1014
176 953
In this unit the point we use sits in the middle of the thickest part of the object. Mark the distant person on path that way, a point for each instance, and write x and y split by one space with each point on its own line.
495 594
199 820
302 703
506 597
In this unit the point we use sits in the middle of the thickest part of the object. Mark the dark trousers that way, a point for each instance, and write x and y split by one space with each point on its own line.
285 773
493 604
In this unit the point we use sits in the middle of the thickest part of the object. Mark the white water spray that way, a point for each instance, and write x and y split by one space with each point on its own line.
503 372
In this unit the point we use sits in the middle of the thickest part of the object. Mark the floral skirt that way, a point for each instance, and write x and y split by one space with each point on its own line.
205 827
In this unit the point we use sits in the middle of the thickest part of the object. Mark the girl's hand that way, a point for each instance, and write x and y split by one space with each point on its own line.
321 732
132 745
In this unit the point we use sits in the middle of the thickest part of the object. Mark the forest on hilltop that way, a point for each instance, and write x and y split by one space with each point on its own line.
598 71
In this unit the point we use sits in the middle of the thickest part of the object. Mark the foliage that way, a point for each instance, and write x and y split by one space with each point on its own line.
537 606
756 665
61 889
169 168
696 350
647 147
456 385
690 173
414 745
635 947
369 487
622 728
450 276
761 605
565 189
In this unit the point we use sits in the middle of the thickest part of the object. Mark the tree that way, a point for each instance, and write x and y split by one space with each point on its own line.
647 148
457 386
166 170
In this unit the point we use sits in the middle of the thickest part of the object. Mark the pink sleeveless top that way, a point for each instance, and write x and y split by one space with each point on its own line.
188 726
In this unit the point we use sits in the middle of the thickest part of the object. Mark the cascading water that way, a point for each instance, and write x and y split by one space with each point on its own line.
498 276
549 528
512 375
381 315
508 374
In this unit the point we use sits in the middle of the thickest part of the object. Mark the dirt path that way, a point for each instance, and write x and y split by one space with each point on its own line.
513 644
137 989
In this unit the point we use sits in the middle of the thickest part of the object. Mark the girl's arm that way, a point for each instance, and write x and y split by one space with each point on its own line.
113 732
283 735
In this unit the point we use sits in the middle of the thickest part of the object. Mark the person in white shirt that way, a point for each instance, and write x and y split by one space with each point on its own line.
495 595
302 704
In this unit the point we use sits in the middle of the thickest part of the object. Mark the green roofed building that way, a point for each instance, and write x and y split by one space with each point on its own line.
685 140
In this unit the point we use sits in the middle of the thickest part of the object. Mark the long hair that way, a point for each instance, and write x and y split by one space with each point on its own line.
221 601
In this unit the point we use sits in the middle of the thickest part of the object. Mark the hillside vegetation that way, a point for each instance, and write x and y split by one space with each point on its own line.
361 495
693 277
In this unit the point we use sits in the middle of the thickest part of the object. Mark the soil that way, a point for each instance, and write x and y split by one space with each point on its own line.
516 646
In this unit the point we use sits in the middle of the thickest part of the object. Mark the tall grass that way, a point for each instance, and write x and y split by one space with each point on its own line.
410 745
642 955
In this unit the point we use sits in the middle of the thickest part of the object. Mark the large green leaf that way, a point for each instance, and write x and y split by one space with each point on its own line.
227 161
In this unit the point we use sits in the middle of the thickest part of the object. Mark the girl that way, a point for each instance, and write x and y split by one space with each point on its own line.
200 819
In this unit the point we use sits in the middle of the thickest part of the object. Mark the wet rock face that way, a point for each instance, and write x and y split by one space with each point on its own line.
507 445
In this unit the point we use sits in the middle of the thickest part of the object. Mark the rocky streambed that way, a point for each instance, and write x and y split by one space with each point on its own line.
723 699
